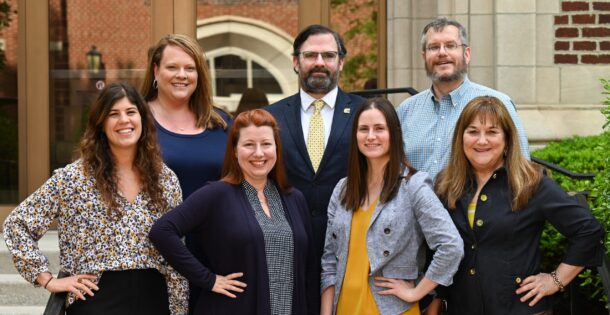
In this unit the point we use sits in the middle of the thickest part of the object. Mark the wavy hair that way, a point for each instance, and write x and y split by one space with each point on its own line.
355 192
458 177
200 103
438 25
231 171
98 160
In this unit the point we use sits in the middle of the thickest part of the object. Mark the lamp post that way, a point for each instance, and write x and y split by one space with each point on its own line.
94 59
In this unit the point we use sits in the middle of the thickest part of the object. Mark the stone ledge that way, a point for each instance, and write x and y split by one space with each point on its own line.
544 123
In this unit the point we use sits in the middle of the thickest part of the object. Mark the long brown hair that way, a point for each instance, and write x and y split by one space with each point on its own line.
458 177
231 172
200 102
355 192
97 157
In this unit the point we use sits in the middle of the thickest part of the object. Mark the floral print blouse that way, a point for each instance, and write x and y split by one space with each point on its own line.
91 240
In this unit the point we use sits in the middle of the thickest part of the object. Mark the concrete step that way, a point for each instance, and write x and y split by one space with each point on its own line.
14 290
17 296
21 310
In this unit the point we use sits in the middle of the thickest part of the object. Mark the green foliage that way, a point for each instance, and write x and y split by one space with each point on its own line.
582 155
359 65
5 20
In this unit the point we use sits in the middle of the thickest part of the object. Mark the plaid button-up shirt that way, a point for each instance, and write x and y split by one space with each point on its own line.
428 124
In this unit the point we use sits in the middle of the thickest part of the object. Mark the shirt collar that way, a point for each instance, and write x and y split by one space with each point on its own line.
330 98
456 94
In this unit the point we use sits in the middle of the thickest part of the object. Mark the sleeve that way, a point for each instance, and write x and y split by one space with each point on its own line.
512 110
166 234
27 223
172 187
438 229
583 232
329 256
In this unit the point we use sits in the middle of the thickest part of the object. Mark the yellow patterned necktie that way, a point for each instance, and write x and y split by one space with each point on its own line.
315 139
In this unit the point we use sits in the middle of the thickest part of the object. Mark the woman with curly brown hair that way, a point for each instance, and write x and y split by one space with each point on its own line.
105 203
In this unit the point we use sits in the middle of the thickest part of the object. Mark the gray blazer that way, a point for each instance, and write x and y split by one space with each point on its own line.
394 241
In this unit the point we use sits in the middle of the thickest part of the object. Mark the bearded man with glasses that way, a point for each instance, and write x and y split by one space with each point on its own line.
315 124
428 118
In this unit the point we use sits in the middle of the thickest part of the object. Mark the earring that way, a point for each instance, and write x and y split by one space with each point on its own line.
155 84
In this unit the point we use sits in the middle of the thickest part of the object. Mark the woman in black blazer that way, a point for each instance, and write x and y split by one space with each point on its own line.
499 201
252 228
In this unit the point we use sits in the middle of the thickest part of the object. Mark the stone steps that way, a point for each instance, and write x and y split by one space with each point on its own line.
17 296
21 310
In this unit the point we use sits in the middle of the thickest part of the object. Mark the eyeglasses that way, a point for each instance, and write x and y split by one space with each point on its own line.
312 56
449 47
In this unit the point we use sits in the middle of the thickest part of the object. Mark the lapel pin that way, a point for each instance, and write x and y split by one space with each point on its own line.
346 110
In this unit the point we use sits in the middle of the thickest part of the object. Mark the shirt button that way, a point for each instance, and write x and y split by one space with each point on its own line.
472 271
435 162
483 197
494 176
518 280
442 117
438 139
387 231
479 223
473 246
386 253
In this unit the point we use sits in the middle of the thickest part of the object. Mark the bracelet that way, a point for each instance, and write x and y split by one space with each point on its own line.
47 283
557 281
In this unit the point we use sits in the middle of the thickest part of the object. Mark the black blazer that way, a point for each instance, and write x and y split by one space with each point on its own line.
502 249
316 187
222 221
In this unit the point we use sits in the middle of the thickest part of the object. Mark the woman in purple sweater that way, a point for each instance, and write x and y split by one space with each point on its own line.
253 230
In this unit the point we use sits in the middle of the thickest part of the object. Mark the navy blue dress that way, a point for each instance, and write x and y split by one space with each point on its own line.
196 160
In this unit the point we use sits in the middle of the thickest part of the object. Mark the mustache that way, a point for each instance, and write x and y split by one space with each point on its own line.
319 70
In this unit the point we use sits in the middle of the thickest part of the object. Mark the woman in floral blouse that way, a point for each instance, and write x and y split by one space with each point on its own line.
105 203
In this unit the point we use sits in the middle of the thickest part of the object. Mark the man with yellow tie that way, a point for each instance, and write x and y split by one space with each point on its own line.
315 124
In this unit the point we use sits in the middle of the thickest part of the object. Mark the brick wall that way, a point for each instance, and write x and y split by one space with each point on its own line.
8 75
280 13
582 33
120 30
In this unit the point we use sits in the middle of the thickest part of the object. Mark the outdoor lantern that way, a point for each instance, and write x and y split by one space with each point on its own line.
94 60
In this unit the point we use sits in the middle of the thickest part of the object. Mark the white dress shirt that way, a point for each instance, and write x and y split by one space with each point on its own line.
327 112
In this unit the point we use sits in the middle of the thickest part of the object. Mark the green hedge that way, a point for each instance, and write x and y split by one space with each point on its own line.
582 155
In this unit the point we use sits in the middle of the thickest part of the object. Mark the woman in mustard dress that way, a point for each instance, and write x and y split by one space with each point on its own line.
379 217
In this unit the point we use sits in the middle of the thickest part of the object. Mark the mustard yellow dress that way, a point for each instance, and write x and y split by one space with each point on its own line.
356 296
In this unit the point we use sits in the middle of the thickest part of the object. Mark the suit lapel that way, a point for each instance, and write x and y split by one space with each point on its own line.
376 213
293 120
341 116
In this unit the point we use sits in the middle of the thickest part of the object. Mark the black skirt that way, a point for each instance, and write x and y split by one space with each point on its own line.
129 292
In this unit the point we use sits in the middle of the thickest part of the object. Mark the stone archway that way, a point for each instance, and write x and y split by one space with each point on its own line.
252 40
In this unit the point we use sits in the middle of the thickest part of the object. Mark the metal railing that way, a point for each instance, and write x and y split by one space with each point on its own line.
377 92
576 302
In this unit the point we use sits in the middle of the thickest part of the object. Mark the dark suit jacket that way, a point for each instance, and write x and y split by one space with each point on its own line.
317 187
220 217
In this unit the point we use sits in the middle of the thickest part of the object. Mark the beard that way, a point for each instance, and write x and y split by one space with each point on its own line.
456 75
318 84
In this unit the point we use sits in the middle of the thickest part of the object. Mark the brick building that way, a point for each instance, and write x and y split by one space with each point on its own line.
547 54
